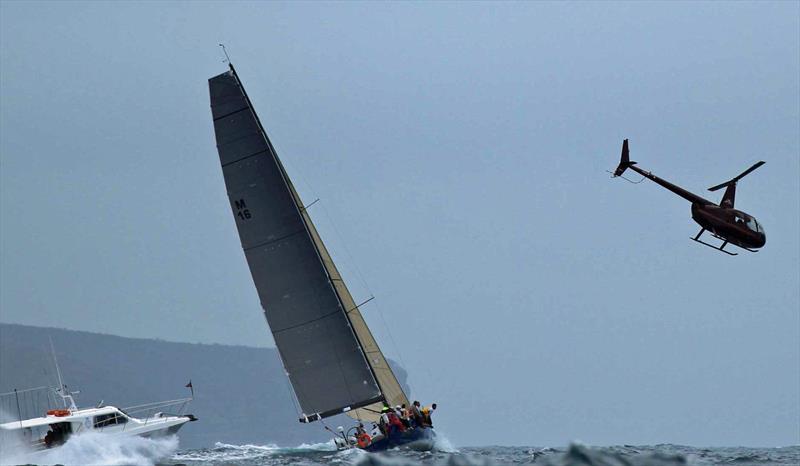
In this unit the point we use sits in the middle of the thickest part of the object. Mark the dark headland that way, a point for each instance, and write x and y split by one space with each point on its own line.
241 393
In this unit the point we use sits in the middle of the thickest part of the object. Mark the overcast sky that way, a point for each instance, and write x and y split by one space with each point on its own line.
459 152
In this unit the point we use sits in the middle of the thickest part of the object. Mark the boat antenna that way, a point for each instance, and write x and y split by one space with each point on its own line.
61 391
55 361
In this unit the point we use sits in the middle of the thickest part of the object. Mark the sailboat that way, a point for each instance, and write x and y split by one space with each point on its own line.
331 358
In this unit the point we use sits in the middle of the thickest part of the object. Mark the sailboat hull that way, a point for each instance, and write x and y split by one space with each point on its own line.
419 438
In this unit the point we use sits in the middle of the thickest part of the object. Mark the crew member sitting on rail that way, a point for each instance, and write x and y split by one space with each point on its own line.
383 422
426 414
416 414
402 412
394 421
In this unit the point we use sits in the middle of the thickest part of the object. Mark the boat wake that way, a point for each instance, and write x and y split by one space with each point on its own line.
98 449
224 452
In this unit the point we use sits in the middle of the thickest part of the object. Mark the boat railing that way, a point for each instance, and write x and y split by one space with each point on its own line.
150 411
27 403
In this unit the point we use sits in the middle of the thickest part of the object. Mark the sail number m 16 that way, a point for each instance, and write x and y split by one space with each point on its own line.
242 211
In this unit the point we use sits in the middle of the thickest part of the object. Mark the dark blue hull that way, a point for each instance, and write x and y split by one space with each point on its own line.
418 438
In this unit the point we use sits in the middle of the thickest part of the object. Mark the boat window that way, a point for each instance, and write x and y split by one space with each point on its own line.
110 419
103 420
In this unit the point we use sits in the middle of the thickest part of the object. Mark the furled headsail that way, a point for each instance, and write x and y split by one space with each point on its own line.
330 356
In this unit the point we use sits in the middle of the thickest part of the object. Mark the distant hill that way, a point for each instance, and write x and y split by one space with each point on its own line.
241 393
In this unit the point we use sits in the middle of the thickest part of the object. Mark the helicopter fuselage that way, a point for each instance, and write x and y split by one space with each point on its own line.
731 225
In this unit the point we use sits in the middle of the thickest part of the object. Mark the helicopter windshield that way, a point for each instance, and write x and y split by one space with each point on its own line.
753 224
750 222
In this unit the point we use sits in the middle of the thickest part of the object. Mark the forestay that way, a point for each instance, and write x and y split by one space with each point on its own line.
332 361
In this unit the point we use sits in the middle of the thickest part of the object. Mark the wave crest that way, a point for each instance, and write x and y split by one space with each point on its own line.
92 448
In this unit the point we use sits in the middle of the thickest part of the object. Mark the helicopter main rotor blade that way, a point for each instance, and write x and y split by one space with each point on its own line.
742 175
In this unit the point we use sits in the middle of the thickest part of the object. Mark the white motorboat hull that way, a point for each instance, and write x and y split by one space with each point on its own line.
154 429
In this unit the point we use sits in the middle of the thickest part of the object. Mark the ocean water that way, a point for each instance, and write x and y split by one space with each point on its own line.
101 450
572 455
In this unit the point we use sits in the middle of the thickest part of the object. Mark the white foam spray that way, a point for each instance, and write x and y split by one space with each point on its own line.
443 444
225 452
12 443
93 448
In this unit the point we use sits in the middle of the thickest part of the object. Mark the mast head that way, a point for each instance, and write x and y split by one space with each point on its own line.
227 58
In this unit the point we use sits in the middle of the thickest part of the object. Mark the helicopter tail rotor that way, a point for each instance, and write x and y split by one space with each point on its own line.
624 161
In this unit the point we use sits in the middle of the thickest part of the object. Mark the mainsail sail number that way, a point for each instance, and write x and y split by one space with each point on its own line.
242 211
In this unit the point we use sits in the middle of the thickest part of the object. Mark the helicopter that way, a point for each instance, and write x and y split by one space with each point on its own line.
721 220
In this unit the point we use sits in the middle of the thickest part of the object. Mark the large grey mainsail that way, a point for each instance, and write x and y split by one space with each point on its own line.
331 359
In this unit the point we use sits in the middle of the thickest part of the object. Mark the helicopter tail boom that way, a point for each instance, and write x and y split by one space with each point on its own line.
624 161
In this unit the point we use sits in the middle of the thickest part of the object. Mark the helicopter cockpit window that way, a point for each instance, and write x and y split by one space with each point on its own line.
752 224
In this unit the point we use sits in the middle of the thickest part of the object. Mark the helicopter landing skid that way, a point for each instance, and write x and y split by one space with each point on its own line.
720 248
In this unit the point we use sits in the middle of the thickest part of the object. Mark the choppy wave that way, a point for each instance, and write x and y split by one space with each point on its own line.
96 449
573 455
224 452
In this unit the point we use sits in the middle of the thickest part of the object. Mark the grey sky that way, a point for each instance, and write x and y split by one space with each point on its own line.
459 151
